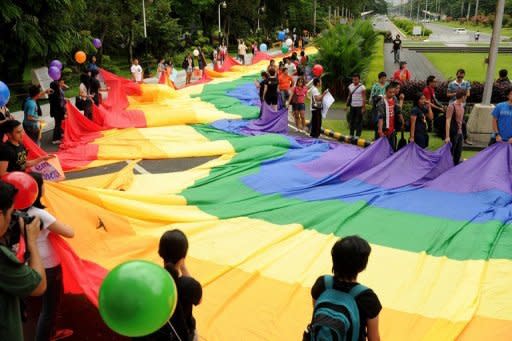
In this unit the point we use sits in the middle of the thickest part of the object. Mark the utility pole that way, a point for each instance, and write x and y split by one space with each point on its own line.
469 10
426 9
493 52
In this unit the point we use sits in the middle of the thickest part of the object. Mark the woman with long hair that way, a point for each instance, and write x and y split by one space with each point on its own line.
51 262
297 99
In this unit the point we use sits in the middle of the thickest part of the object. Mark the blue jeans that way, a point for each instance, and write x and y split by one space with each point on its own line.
51 299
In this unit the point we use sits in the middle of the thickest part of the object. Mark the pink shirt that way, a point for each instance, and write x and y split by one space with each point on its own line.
300 94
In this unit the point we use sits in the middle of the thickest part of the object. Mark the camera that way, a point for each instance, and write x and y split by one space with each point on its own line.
13 234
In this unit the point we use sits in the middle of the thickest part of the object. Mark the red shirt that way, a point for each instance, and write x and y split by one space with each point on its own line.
402 75
391 123
428 92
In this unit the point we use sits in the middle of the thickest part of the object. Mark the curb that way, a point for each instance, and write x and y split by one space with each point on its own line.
342 138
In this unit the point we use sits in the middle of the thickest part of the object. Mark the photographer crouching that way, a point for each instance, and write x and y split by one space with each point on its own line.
17 280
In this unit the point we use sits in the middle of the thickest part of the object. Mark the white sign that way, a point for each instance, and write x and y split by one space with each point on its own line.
327 101
416 31
40 77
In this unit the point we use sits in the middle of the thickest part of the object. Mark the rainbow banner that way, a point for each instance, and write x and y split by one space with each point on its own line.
262 217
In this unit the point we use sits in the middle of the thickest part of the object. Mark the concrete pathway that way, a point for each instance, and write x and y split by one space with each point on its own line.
417 63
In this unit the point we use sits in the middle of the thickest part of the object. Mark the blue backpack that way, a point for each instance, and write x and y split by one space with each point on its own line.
336 315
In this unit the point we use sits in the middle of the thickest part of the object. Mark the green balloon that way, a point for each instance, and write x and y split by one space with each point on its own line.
284 49
137 298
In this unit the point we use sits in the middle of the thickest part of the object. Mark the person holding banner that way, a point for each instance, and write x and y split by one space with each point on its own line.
53 270
13 154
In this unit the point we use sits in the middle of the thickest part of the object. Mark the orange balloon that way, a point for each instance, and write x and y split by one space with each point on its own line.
80 57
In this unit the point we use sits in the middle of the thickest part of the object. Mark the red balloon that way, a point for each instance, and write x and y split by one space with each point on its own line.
318 70
26 186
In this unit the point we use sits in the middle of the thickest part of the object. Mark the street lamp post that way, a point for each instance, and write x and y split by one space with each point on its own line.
224 5
261 9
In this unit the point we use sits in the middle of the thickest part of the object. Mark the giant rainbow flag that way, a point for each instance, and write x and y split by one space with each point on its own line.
263 215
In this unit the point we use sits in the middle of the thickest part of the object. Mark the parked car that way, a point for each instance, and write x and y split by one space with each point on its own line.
460 30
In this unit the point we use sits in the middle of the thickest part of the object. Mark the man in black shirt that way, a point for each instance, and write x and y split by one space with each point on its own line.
13 155
57 108
397 44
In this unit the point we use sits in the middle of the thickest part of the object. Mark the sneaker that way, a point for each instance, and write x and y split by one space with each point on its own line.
468 142
61 334
56 142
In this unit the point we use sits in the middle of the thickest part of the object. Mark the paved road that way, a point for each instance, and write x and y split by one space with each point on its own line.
384 24
447 34
420 67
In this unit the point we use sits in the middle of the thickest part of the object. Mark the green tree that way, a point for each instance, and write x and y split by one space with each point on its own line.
39 30
344 50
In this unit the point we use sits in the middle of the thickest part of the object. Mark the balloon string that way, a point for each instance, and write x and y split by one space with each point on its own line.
174 330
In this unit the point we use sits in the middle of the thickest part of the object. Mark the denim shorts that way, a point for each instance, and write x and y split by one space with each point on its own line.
299 106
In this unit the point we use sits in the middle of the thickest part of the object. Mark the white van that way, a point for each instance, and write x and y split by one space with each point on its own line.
461 30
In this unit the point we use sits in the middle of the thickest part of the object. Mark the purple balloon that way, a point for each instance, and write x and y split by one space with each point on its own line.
56 63
96 42
54 73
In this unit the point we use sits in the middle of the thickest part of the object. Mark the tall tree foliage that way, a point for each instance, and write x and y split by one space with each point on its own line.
39 30
344 50
36 29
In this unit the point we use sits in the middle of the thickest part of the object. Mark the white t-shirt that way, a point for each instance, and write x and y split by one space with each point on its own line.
357 95
313 92
49 257
291 69
136 71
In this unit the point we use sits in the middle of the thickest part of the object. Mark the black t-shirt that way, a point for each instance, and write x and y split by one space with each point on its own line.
272 84
396 44
190 293
367 302
421 125
262 87
16 156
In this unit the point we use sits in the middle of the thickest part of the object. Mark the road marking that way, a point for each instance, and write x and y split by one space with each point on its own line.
138 168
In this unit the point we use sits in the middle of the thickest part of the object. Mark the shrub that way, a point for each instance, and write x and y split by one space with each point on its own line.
407 26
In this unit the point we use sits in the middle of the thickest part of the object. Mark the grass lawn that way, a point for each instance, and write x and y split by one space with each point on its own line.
473 63
505 31
435 142
377 63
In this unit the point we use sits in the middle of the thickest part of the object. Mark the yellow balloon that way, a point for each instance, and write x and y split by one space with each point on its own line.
80 57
